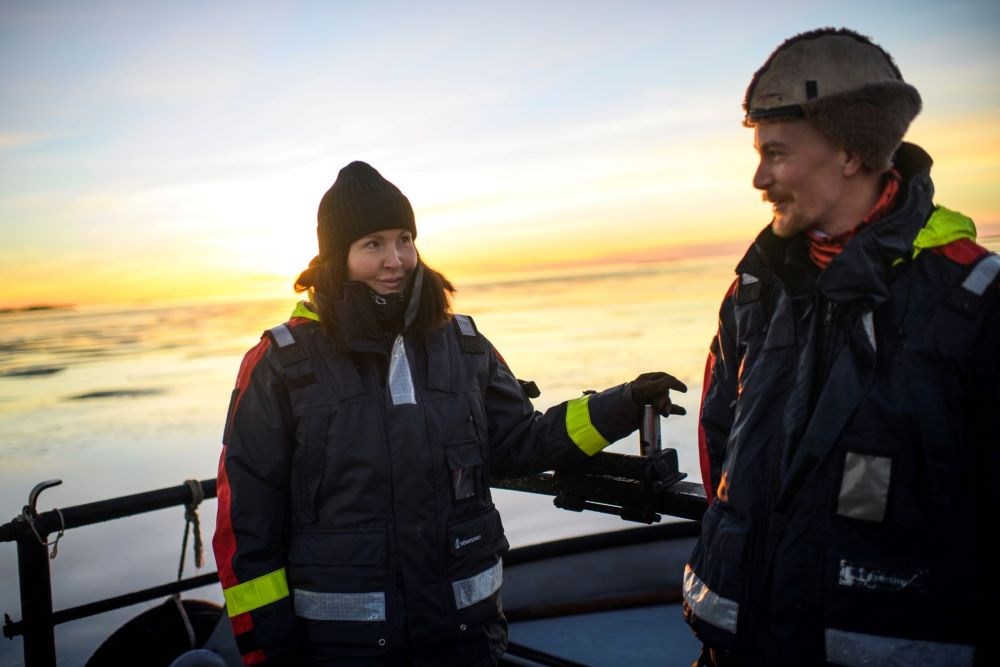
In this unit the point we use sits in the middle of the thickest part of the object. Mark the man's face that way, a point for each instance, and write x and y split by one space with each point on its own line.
801 173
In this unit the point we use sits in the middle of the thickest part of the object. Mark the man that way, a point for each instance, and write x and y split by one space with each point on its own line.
849 425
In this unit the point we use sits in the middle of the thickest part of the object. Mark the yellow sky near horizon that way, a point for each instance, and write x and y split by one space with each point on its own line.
697 202
151 154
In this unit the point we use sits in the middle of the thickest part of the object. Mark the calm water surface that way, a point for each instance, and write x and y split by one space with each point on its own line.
115 401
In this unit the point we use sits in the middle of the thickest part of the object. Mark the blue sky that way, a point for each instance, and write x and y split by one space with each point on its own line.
159 150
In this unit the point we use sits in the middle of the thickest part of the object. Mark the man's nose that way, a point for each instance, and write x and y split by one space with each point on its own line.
762 178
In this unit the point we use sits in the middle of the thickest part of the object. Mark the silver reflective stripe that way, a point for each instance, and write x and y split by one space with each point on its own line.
282 336
478 587
465 325
856 649
340 606
868 323
708 605
747 279
400 381
981 276
864 488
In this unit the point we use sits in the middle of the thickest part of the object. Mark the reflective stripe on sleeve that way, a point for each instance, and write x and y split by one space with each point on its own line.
256 593
478 587
980 278
317 606
856 649
579 428
708 605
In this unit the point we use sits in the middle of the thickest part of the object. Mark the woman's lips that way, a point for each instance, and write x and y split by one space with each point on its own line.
393 284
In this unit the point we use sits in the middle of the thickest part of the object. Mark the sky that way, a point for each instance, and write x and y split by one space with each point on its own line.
163 151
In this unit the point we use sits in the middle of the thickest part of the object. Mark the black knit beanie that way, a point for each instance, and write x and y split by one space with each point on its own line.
360 202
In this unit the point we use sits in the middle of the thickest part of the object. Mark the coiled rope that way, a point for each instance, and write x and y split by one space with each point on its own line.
190 519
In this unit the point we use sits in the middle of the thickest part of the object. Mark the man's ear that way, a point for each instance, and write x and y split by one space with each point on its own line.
851 163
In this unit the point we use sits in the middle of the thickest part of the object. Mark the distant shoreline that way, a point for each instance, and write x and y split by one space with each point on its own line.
32 308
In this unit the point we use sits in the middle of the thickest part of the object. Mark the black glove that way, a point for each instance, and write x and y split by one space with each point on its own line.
654 389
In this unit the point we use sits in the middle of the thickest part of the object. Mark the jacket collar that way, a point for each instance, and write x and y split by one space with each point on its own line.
861 270
356 324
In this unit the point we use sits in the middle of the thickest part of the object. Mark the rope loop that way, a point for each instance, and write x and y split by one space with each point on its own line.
191 520
30 518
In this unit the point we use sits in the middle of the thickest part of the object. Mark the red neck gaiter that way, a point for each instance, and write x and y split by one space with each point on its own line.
823 248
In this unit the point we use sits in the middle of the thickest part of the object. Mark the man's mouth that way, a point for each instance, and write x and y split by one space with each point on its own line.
777 203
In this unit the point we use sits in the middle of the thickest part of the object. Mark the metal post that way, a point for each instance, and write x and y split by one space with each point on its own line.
36 596
649 432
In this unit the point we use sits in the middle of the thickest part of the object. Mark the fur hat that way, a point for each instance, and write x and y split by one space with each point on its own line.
359 202
848 87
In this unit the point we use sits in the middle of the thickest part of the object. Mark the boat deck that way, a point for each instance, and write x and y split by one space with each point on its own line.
653 635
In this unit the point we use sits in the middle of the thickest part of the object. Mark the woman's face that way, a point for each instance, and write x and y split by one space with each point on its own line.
383 260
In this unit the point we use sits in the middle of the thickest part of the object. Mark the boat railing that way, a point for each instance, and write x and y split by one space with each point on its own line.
31 531
636 488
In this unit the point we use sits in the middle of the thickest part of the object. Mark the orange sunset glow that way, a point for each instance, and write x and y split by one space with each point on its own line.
166 153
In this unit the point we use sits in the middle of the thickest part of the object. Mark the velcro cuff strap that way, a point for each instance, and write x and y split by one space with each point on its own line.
256 593
580 429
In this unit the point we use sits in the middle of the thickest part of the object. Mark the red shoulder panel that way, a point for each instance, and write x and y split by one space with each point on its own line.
962 251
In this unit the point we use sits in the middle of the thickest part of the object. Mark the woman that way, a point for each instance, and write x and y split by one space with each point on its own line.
355 521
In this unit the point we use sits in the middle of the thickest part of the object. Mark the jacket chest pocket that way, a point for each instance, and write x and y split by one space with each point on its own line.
465 463
308 466
457 425
767 335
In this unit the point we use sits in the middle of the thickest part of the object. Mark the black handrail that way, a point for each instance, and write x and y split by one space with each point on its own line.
634 488
31 531
108 510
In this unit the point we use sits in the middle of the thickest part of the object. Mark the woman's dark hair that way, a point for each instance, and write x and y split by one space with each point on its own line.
326 280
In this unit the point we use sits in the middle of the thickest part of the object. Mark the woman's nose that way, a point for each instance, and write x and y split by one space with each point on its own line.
392 258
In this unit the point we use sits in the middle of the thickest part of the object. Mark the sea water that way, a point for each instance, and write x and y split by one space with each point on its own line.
120 400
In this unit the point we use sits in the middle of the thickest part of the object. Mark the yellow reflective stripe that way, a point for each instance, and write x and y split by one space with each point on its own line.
580 430
302 310
256 593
